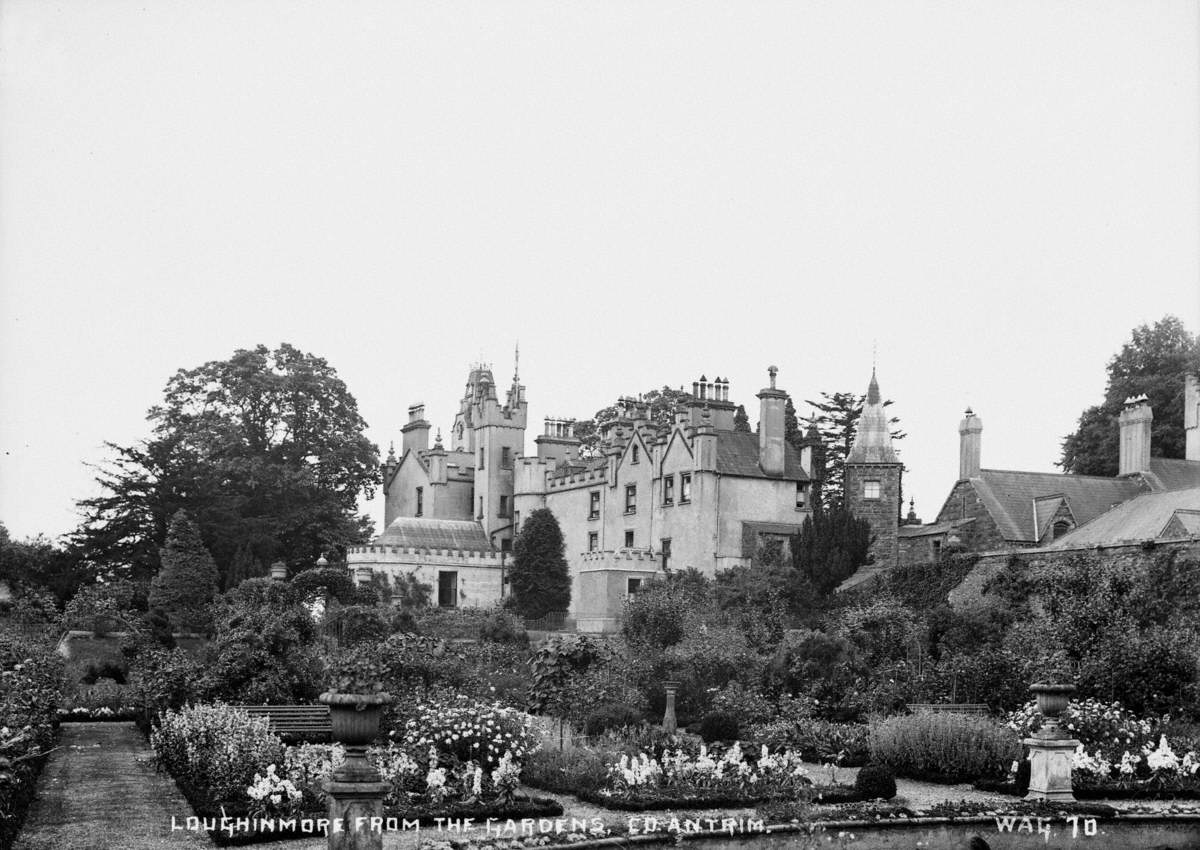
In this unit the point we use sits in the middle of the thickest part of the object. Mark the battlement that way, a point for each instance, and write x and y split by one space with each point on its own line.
408 555
571 479
621 559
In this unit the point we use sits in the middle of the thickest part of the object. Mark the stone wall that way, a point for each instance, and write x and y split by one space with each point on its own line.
970 592
883 513
982 535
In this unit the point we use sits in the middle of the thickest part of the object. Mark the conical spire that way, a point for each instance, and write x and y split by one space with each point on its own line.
873 439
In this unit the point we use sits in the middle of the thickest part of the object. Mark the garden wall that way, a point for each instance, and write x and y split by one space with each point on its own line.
970 591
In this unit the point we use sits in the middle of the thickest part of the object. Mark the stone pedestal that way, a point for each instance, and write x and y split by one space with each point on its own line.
352 806
1050 769
670 724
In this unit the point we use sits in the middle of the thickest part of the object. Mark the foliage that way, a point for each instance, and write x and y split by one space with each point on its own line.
944 747
741 422
264 646
926 585
539 576
820 666
324 584
40 563
659 615
265 450
876 782
214 750
99 607
470 731
882 630
719 726
749 705
836 421
502 627
570 771
558 659
357 670
164 679
611 716
831 545
1108 728
818 740
187 581
682 774
1153 363
660 404
357 624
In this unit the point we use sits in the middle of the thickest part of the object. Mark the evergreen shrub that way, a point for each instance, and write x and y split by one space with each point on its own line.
876 782
719 726
187 582
611 716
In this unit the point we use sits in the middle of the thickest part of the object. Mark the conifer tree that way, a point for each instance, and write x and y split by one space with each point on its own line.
741 422
831 545
540 581
187 582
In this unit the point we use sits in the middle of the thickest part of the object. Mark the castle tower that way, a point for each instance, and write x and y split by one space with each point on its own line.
497 439
872 480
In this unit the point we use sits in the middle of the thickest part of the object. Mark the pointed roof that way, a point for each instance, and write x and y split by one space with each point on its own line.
873 439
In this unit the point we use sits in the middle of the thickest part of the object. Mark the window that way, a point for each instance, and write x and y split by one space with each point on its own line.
801 494
633 585
447 592
506 544
594 505
685 487
516 519
666 553
506 458
635 454
420 501
593 541
480 514
1060 528
871 489
669 490
630 498
937 548
628 539
481 458
503 506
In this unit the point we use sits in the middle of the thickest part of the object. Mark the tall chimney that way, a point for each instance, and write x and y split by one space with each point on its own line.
415 431
1135 436
1191 416
969 449
770 427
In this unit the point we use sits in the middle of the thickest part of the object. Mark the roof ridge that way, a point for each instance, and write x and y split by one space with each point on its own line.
1068 475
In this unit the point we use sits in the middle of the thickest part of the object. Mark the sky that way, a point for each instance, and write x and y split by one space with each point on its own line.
982 198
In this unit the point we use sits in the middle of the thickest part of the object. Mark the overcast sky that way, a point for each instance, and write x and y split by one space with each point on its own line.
992 193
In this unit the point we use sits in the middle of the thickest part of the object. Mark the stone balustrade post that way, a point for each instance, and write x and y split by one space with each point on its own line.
670 724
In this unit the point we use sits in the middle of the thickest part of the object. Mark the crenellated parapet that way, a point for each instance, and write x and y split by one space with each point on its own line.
621 559
381 554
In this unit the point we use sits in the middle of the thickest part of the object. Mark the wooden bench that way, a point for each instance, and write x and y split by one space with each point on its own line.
295 722
949 707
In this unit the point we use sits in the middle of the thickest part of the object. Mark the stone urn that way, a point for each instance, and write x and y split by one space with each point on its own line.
355 722
1051 702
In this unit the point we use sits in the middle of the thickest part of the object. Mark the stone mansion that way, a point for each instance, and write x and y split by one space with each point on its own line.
694 493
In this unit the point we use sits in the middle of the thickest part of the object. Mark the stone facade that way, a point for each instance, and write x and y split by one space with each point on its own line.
872 479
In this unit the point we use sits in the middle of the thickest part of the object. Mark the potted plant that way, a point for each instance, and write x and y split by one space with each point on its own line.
356 700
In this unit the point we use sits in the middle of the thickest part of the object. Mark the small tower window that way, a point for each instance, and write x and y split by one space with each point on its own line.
481 458
593 541
480 514
630 498
628 539
503 506
635 454
801 494
506 458
594 505
420 501
685 487
633 585
666 553
871 490
669 490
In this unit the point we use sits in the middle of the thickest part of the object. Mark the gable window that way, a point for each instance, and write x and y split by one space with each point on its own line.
685 487
669 490
802 494
630 498
628 539
594 505
634 457
506 458
420 501
871 489
593 541
1060 528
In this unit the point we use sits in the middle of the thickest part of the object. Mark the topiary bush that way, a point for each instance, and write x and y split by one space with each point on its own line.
876 782
718 726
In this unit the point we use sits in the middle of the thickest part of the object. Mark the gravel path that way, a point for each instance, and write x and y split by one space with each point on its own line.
100 791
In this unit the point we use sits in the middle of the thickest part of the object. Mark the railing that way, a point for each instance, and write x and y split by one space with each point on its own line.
551 622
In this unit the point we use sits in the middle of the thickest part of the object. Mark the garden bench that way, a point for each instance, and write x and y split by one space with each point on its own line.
305 722
949 707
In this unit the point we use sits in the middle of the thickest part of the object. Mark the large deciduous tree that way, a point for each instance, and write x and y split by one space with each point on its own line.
540 581
264 450
1154 363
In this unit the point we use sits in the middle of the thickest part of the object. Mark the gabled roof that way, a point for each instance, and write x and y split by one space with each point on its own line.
1009 497
422 533
1172 474
737 454
1145 517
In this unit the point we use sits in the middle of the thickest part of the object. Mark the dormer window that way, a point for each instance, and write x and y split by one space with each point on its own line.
1061 527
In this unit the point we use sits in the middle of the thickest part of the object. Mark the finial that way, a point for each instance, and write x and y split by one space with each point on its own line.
772 371
437 440
392 450
968 411
517 362
321 561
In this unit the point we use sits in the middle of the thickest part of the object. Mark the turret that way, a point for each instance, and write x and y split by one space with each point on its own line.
872 478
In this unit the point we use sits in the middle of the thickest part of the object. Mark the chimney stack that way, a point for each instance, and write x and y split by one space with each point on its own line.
1191 416
415 431
770 427
1135 436
970 430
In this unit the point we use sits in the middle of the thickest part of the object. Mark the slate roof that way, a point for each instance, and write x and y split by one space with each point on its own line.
873 438
906 531
422 533
1009 497
737 454
1142 518
1171 474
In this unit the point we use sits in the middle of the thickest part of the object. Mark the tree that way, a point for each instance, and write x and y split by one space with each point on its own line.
741 422
187 582
836 420
540 581
266 452
1154 363
40 563
661 406
831 545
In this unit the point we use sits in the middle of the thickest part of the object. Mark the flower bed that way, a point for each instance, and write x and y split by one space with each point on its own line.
103 714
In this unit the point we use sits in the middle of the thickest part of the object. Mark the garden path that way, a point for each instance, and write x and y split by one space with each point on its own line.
100 790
